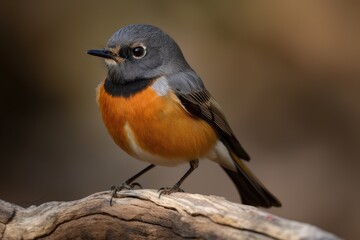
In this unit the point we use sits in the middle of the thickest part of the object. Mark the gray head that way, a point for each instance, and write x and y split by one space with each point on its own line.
141 52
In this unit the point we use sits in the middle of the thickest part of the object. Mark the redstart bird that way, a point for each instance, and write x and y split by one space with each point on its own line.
157 109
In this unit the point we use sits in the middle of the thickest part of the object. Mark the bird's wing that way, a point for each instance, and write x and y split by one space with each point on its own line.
201 104
198 102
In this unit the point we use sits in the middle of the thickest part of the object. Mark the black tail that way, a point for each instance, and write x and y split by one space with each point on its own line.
251 190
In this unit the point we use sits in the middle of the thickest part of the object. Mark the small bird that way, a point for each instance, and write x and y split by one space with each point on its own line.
157 109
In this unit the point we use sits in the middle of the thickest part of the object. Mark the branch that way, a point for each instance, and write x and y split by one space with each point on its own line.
141 214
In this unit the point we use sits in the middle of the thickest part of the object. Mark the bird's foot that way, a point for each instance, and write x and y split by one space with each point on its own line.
168 191
126 186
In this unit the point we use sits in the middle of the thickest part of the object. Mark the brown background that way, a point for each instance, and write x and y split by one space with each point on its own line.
287 74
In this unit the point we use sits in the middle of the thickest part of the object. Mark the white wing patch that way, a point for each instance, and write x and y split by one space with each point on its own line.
161 86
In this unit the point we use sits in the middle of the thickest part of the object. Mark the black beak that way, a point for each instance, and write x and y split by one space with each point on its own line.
101 53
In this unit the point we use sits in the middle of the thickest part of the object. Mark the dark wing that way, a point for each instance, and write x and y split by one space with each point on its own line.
201 104
190 90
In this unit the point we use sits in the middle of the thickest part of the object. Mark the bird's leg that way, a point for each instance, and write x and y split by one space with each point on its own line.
128 184
176 188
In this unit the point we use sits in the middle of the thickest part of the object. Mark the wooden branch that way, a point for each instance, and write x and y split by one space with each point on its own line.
141 214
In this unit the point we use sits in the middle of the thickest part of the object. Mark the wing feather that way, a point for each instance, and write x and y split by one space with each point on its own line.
201 104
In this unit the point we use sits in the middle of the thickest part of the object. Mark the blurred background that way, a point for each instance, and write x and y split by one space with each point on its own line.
287 74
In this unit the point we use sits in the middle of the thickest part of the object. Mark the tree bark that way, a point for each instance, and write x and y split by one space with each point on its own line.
141 214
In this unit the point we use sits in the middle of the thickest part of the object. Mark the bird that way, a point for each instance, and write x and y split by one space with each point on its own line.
158 110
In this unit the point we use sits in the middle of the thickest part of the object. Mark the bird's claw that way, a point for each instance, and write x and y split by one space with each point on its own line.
126 186
135 184
168 191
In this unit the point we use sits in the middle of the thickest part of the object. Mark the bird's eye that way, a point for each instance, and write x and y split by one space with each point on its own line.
139 52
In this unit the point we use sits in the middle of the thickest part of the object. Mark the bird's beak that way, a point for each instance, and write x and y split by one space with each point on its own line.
101 53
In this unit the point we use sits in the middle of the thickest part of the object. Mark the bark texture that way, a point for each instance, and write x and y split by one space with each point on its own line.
141 214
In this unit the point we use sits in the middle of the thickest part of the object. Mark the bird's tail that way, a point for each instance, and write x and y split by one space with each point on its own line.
251 190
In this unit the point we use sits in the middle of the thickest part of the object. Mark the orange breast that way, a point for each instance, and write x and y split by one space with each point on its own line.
159 124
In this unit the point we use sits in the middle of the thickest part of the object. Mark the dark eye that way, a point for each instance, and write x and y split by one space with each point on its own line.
138 52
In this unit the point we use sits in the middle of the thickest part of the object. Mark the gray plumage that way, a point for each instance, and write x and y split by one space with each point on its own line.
159 60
